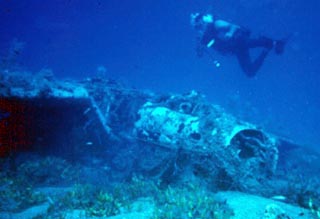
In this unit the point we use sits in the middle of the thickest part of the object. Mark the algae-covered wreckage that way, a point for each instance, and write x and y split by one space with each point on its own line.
173 139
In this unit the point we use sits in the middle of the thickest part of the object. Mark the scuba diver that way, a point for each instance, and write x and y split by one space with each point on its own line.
228 38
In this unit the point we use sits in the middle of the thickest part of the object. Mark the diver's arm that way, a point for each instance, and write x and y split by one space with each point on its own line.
229 28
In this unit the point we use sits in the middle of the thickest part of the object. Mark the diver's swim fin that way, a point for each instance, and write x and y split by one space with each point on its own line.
280 44
279 47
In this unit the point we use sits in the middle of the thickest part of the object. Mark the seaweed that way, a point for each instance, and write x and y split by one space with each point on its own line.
17 194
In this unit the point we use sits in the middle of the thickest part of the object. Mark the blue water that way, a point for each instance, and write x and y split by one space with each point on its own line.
150 45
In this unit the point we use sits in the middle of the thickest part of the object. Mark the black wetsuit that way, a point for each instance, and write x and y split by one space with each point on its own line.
239 45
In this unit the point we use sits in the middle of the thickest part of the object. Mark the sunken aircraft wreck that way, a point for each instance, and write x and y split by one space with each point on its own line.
171 138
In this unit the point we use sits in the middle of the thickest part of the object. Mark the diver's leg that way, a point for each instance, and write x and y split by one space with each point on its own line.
245 62
263 42
250 68
268 43
256 64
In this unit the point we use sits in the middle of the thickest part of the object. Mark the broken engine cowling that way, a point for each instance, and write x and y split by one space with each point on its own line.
216 141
